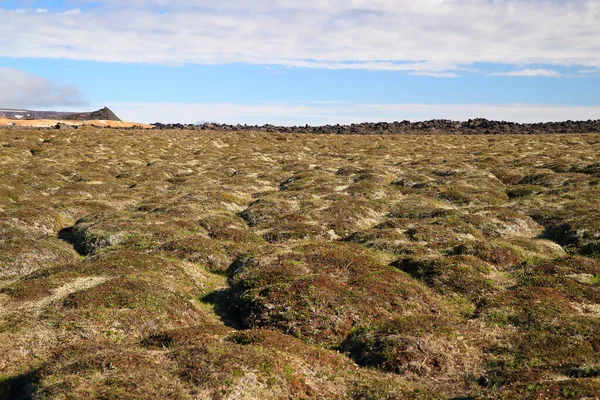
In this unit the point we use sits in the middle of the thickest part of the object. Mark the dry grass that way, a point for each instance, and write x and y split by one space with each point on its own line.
192 265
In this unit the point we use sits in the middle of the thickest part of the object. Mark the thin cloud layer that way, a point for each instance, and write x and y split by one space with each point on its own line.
425 36
19 89
548 73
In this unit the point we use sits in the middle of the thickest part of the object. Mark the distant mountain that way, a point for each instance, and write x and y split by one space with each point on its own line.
102 114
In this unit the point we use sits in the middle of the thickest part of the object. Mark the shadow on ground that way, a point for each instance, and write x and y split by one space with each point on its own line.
20 387
219 299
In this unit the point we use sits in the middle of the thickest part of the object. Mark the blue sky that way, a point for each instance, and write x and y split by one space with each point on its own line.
289 62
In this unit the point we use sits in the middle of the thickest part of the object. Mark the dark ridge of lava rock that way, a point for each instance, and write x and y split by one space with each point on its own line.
438 126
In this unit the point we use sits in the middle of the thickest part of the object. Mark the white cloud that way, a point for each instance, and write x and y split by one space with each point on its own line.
425 67
586 71
75 11
319 113
19 89
548 73
425 35
436 74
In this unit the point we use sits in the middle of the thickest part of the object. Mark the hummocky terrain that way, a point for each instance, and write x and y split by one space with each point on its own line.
252 265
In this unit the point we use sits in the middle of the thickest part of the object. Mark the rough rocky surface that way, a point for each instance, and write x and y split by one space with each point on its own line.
441 127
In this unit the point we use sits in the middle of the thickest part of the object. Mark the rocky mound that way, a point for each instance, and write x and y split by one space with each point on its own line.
104 114
438 126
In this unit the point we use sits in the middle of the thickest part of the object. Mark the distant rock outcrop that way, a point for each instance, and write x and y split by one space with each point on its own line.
64 126
470 127
104 114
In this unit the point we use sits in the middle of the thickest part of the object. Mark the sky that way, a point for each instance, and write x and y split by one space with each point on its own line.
293 62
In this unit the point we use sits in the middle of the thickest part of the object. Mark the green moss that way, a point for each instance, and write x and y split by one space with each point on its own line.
216 255
418 207
318 292
228 227
402 345
492 252
523 191
455 196
462 275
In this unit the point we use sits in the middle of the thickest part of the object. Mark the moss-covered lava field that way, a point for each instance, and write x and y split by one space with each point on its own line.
222 265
